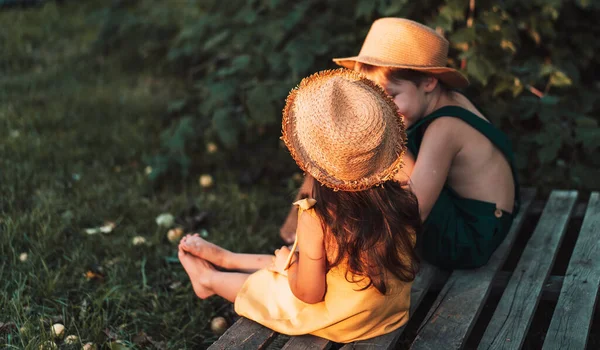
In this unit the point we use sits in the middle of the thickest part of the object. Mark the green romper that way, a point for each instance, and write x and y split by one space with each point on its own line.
462 233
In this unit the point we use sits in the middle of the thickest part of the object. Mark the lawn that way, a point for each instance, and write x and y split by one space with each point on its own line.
76 131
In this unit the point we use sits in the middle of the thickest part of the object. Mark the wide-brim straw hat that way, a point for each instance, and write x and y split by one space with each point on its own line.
344 130
406 44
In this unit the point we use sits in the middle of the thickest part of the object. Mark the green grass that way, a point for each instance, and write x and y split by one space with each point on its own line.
75 130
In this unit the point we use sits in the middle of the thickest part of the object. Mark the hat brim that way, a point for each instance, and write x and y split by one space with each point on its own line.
304 161
449 76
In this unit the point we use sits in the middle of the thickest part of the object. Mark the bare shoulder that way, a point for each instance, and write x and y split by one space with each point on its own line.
309 223
446 131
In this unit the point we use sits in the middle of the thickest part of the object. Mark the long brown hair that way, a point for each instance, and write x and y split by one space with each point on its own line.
373 230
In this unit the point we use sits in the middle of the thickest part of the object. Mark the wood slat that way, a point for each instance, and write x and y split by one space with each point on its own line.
512 317
453 314
573 314
244 334
538 206
307 342
427 275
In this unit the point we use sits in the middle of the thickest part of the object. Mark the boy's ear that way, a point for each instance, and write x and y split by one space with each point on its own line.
429 83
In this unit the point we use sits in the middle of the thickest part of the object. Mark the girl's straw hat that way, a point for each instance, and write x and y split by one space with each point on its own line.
402 43
344 130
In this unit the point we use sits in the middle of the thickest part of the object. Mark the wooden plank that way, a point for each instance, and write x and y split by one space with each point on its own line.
307 342
575 309
427 275
538 206
425 278
550 291
453 314
512 317
244 334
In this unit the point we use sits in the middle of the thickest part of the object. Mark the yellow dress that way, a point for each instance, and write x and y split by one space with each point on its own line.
345 315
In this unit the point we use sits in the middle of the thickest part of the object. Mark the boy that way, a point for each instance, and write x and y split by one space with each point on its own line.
460 167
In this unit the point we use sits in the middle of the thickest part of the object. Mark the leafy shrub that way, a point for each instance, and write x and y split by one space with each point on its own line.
531 64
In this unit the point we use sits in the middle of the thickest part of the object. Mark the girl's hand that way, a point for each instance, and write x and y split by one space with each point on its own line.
280 259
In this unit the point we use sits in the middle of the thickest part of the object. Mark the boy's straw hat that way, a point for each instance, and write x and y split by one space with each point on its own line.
344 130
402 43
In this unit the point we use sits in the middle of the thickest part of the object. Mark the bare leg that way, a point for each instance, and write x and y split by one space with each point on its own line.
200 248
288 229
228 284
207 281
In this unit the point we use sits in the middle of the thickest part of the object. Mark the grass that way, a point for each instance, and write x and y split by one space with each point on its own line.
75 130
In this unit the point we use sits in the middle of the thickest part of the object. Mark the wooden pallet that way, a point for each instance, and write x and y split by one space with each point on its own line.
463 293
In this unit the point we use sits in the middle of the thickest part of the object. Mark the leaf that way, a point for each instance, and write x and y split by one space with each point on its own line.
589 138
585 176
226 127
241 62
175 138
258 102
364 9
480 68
583 3
394 9
549 152
502 86
238 64
560 79
216 40
463 35
508 46
295 15
301 62
176 106
273 4
586 122
493 20
549 100
219 93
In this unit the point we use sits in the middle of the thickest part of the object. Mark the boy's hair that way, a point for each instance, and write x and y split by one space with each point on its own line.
373 230
396 74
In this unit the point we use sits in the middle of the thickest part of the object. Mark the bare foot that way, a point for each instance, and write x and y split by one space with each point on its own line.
202 249
199 272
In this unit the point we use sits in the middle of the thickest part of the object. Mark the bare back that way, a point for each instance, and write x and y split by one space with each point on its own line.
479 170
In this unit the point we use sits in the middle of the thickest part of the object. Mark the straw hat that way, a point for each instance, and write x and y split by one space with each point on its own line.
402 43
344 130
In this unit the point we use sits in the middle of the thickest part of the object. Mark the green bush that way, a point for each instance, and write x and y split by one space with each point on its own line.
531 64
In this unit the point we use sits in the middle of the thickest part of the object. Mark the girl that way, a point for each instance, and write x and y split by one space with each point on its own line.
351 278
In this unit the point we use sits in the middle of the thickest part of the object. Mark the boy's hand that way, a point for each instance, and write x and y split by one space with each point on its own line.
280 259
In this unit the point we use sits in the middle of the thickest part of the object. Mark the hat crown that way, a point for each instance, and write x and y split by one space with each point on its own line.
400 43
348 122
343 130
405 42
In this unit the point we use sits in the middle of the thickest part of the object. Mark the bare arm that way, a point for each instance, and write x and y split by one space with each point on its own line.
306 275
439 147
